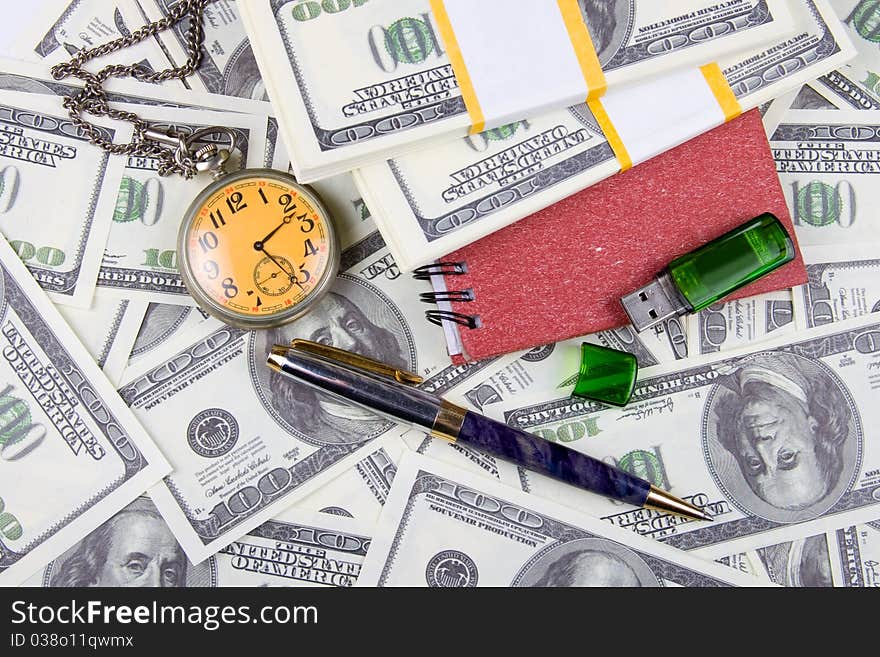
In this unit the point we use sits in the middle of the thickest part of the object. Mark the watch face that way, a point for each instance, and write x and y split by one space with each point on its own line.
257 248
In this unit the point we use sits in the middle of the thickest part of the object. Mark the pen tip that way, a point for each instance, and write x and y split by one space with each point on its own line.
668 503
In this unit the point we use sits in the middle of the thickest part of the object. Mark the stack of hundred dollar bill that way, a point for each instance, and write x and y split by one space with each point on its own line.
148 445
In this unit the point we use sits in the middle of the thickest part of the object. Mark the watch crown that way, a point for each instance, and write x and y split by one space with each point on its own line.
211 158
205 151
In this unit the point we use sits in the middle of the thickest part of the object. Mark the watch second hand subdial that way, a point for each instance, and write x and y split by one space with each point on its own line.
293 277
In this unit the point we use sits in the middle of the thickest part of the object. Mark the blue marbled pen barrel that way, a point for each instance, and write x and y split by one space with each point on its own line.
410 405
552 459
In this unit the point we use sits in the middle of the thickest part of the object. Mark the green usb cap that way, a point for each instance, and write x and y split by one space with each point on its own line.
710 273
607 375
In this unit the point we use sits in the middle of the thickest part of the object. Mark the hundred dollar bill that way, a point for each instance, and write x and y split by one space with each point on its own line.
297 548
108 330
829 166
735 324
807 97
228 66
804 562
814 97
846 557
844 282
85 24
63 429
164 323
435 200
773 440
36 78
445 527
140 258
393 87
243 440
857 84
136 548
743 564
57 193
855 555
361 491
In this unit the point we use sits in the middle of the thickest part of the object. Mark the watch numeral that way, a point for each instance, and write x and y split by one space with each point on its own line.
217 218
208 241
310 249
212 269
303 270
263 196
306 222
235 202
229 288
286 201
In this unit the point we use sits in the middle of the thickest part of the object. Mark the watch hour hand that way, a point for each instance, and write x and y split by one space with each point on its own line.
259 244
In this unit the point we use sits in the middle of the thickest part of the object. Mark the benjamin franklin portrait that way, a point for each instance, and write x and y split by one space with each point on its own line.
809 98
781 437
241 76
803 563
134 548
354 316
608 22
587 562
160 322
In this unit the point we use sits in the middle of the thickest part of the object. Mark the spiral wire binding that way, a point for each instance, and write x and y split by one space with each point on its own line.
439 316
453 295
440 269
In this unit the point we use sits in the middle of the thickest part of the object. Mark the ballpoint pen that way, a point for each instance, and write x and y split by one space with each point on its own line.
391 393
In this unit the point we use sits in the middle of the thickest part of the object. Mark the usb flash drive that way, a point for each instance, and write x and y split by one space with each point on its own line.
702 277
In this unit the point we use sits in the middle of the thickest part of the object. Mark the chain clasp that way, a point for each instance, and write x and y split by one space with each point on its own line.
192 153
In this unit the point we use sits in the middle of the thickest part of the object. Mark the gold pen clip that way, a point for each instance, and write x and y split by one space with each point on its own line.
357 361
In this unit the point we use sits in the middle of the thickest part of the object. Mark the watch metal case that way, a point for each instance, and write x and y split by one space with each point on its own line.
232 317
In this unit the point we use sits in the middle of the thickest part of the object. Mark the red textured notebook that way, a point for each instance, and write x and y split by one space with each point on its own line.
560 273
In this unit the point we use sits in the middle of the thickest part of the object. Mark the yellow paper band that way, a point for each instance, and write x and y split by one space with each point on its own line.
611 135
468 94
583 48
722 91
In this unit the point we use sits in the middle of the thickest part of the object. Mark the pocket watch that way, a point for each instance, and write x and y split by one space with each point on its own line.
255 248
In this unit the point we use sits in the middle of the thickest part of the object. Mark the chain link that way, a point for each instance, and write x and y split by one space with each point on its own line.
92 98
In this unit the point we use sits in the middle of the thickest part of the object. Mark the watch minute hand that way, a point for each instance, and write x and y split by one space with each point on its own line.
278 264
